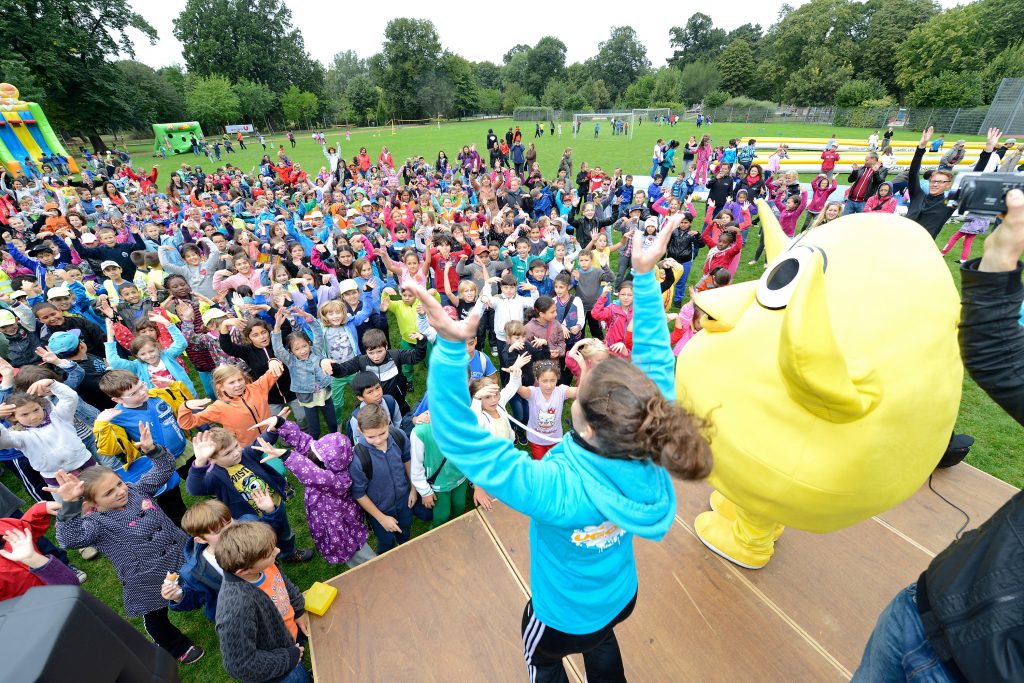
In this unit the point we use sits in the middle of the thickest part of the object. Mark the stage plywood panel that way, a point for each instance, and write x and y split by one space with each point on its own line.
932 522
445 607
694 619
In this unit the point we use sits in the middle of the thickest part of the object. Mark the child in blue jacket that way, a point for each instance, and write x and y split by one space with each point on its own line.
603 483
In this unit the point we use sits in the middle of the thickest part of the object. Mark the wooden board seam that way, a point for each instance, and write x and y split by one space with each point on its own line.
774 607
902 535
522 582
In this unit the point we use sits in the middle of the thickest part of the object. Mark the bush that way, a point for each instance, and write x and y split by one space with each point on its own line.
854 93
751 103
716 98
531 113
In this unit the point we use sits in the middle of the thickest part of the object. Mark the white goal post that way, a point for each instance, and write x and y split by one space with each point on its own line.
652 114
584 124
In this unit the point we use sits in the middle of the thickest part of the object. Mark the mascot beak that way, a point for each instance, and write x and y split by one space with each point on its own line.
814 370
775 239
725 305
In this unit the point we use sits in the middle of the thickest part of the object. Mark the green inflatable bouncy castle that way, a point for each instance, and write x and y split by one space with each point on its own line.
175 138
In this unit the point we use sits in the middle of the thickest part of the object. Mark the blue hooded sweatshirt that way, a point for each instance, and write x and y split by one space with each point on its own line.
584 508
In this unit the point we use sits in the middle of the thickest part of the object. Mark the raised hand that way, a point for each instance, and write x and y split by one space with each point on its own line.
145 442
992 139
275 367
197 403
270 423
645 259
264 501
69 487
926 136
204 447
23 550
452 330
269 451
40 388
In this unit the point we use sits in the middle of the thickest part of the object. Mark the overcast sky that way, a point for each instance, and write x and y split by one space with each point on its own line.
469 28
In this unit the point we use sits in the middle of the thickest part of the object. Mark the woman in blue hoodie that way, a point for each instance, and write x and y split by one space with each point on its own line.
604 482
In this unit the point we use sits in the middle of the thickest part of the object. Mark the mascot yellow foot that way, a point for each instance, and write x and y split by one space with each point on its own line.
726 508
745 541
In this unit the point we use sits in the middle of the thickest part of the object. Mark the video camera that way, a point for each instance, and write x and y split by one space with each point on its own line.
985 193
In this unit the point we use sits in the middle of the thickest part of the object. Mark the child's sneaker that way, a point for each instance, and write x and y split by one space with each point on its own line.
300 555
89 553
192 655
82 576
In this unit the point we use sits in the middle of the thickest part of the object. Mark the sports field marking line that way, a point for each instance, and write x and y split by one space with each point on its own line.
774 607
523 585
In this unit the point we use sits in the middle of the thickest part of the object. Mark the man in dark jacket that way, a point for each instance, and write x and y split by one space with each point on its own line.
931 209
964 618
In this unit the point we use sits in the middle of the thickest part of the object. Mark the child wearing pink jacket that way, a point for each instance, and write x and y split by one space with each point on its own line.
790 210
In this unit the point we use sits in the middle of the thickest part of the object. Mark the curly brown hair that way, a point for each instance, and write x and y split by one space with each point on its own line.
632 420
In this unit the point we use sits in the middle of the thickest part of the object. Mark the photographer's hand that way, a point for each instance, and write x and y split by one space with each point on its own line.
1006 243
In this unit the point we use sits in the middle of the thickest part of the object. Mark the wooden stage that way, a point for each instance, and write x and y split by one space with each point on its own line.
447 606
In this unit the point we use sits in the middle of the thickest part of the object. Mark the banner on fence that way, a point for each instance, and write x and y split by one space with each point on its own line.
243 128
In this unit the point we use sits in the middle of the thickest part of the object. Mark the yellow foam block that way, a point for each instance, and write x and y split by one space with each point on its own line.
319 598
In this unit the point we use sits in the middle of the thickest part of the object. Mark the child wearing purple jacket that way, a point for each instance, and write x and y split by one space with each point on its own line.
335 520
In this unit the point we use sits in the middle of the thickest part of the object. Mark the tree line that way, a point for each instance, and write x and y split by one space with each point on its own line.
244 61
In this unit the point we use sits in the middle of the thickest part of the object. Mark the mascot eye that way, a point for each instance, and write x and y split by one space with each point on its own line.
778 284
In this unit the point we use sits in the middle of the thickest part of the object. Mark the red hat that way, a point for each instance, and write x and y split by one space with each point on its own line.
481 249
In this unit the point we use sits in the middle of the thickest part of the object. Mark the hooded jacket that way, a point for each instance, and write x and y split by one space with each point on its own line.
880 204
584 508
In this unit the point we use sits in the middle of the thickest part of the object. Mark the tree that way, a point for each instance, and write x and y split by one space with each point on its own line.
65 44
621 60
1007 64
465 89
951 41
517 70
174 75
854 93
513 93
835 26
639 93
488 74
556 94
819 79
411 50
887 26
546 60
696 41
15 72
255 100
716 98
751 33
948 89
252 39
363 96
736 66
490 100
212 103
345 66
602 98
516 50
699 78
436 94
299 106
668 85
152 97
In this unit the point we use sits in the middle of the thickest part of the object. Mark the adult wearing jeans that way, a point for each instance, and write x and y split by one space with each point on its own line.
864 181
963 620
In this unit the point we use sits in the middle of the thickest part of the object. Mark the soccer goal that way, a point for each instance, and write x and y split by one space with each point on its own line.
652 115
603 126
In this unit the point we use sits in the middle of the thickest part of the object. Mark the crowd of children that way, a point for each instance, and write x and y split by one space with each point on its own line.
211 333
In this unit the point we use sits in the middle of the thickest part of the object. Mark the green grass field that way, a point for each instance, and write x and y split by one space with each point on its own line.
995 432
609 152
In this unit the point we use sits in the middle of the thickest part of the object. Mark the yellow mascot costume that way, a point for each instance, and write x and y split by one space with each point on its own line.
833 382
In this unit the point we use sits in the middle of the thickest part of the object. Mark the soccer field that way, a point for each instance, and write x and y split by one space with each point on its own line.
609 152
996 433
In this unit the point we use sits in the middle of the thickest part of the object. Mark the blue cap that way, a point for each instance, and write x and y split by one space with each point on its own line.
64 342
